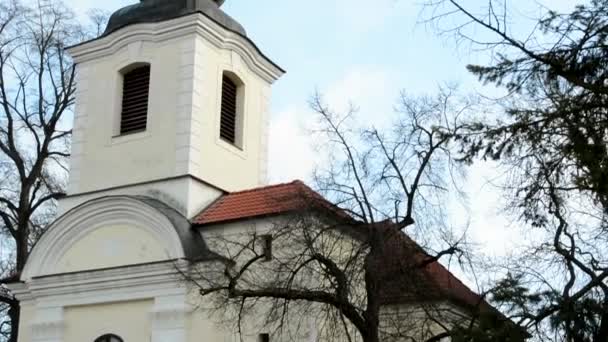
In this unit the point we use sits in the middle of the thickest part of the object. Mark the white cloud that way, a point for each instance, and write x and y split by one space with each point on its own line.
492 235
291 153
292 148
490 226
365 87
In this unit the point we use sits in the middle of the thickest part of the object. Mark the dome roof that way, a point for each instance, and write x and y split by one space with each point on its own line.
151 11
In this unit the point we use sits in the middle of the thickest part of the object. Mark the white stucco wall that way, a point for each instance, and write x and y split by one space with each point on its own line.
112 246
102 159
129 320
229 240
221 163
202 327
188 57
28 310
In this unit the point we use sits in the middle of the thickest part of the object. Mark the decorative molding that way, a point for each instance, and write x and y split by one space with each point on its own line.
197 24
104 286
161 282
135 50
82 220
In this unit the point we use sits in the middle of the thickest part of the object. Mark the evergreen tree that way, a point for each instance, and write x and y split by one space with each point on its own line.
552 137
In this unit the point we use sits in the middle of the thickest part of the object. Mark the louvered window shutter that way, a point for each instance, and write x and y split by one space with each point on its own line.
136 89
229 108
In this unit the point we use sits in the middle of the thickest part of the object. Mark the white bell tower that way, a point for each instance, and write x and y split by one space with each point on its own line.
172 102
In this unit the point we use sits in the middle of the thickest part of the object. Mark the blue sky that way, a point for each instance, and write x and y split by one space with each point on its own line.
320 42
360 50
366 51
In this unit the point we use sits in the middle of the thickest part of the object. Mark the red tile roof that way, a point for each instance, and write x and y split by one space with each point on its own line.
402 256
294 196
270 200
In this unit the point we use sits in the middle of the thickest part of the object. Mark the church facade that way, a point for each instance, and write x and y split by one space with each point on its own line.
171 124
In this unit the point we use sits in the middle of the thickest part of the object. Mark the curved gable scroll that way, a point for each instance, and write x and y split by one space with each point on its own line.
112 225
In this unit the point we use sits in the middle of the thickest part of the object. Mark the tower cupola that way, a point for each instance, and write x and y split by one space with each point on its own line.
151 11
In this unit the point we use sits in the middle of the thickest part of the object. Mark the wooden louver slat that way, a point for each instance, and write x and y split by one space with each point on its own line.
228 110
136 91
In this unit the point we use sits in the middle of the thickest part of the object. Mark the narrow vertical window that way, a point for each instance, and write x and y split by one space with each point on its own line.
267 241
135 93
228 121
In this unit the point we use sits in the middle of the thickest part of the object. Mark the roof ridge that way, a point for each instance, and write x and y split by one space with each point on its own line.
268 187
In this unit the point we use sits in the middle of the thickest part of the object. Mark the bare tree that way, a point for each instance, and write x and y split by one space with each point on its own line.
551 137
349 267
37 88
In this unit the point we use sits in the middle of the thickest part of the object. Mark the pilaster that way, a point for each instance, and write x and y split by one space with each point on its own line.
81 119
264 135
188 137
48 326
169 319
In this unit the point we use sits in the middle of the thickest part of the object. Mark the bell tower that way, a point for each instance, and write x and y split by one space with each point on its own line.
172 102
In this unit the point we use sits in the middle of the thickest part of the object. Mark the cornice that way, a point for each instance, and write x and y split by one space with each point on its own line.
130 282
180 27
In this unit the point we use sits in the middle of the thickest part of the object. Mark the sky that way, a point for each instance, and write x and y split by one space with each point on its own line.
365 51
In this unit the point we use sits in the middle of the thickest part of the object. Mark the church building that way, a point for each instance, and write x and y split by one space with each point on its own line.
170 137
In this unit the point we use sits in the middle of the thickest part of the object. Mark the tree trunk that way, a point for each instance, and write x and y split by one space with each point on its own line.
602 334
372 286
372 335
22 252
23 229
14 313
22 246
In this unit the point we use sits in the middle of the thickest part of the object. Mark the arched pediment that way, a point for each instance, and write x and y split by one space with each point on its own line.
111 232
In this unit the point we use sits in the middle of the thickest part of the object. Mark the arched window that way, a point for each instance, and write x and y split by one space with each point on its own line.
135 93
231 115
109 338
